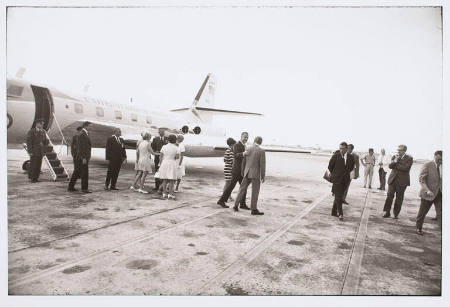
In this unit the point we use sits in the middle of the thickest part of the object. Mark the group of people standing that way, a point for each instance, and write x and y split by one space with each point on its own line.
344 166
167 163
246 165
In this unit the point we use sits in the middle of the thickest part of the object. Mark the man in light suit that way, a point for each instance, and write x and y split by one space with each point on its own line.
430 179
115 155
254 172
398 181
340 166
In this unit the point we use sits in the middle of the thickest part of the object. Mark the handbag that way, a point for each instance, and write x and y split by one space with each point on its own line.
327 176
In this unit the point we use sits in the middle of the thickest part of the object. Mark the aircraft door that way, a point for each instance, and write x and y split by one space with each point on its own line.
44 105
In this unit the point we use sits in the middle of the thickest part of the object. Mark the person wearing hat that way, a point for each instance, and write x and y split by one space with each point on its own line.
36 140
83 155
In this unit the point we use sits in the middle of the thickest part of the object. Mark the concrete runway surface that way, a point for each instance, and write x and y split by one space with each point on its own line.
126 243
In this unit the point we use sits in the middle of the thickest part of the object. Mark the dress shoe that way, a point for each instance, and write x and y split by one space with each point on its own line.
222 204
434 218
106 188
387 214
345 202
86 191
341 217
364 186
72 189
395 217
256 212
34 180
235 208
379 189
419 231
370 187
245 207
334 215
114 188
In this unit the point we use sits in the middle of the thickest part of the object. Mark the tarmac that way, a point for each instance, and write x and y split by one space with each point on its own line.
126 243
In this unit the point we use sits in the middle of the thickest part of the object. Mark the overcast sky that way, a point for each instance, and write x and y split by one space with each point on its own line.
370 76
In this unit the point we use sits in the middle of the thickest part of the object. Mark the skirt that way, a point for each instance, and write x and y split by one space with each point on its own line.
168 170
144 164
181 171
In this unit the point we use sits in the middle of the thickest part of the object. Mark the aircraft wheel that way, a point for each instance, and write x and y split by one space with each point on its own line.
26 165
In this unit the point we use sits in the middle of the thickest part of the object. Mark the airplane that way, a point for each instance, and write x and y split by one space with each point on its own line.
63 112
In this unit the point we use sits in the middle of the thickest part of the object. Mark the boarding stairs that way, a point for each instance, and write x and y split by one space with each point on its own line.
54 164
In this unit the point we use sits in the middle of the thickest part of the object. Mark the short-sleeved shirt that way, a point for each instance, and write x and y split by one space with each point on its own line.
369 159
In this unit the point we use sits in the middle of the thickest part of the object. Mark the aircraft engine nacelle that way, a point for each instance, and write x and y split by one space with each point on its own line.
185 129
197 130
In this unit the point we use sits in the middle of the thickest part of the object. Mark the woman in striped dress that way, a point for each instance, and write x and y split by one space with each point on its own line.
228 158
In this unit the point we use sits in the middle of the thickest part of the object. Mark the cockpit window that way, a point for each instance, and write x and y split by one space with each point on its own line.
14 90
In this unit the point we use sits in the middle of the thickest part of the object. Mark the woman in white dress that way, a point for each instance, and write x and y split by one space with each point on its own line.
181 169
168 167
144 163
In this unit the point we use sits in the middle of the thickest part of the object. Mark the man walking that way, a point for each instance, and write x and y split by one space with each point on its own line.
36 141
340 166
354 174
83 156
236 173
254 172
157 143
382 163
398 181
115 155
369 163
430 179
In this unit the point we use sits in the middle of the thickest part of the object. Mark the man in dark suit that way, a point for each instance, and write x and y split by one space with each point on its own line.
157 143
398 181
74 144
430 179
354 174
340 166
254 172
236 173
115 155
36 141
81 167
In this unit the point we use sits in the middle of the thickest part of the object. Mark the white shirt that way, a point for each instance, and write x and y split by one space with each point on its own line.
383 160
345 158
440 169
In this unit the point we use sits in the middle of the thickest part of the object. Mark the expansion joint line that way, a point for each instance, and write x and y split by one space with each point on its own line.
350 283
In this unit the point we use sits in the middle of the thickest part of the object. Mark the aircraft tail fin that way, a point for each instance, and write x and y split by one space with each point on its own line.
201 107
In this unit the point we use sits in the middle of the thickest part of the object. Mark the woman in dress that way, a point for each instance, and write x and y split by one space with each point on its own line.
181 169
144 165
228 159
168 167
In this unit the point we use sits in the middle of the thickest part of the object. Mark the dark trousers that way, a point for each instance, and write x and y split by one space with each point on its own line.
80 170
399 192
256 184
226 194
344 197
338 190
35 167
425 206
113 172
382 174
157 180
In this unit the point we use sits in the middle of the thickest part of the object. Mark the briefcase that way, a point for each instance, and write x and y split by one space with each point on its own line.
327 176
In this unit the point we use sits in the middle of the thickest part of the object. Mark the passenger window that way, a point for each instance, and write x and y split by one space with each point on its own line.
78 108
118 114
149 120
134 117
100 112
14 90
